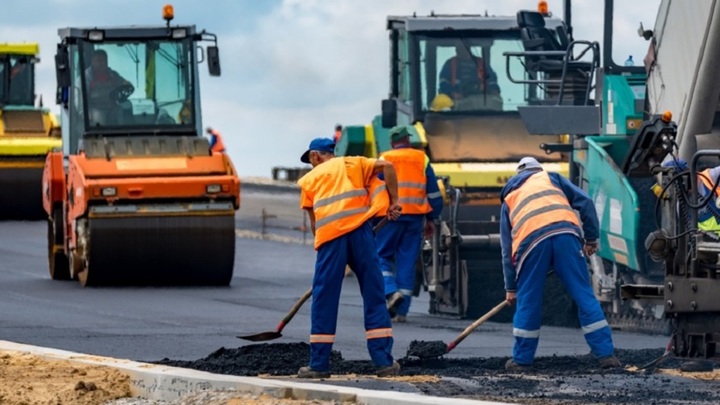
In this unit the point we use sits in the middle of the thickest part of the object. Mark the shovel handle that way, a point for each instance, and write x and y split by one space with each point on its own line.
299 303
308 293
477 323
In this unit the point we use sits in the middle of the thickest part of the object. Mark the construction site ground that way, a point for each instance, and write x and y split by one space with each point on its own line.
196 328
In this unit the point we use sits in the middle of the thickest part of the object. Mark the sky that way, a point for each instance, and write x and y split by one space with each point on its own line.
291 69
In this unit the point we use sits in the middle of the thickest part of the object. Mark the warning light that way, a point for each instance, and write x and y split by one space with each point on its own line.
168 12
667 116
542 8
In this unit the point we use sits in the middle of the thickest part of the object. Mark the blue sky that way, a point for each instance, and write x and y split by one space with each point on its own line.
292 69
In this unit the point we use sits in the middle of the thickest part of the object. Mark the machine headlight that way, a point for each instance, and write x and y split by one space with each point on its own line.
109 191
179 33
212 188
96 35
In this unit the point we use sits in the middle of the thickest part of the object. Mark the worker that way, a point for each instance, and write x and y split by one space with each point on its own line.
539 229
107 91
338 133
341 195
709 214
399 242
465 76
216 141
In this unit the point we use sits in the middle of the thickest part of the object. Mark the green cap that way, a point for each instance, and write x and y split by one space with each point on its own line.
399 132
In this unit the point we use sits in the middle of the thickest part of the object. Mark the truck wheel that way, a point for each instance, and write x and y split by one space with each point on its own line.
57 259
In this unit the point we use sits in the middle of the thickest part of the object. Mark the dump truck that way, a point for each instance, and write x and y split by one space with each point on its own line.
136 197
473 136
27 133
656 268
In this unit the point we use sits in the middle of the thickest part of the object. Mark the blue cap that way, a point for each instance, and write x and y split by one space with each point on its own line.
320 145
678 164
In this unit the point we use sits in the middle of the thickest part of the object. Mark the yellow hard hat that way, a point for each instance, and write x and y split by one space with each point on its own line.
441 102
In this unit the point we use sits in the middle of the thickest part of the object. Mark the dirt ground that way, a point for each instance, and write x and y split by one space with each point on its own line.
28 380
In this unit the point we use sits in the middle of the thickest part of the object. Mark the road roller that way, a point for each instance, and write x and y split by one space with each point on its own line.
28 131
136 196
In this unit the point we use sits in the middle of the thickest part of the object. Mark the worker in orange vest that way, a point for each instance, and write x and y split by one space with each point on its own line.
216 142
341 196
399 242
338 133
539 230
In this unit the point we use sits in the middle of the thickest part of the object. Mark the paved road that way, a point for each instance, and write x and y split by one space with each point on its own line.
148 324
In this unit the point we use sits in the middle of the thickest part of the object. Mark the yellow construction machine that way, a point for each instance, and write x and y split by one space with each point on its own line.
27 133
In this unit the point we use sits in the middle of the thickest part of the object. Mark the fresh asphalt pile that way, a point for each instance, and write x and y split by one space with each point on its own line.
553 380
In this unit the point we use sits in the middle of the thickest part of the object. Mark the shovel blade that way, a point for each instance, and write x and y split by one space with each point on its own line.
261 337
427 350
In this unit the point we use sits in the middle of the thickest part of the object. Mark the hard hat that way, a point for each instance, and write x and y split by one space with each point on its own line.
441 102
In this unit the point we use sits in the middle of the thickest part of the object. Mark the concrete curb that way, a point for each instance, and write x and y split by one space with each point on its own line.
163 383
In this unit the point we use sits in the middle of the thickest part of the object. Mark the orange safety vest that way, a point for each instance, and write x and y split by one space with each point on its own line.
218 146
410 165
480 71
343 199
708 182
536 204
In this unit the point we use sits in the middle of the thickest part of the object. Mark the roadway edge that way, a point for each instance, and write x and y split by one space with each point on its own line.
164 383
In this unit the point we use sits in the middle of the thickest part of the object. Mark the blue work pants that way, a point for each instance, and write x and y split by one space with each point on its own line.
398 245
356 248
564 254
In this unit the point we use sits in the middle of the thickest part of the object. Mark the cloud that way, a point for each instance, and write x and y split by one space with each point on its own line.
292 68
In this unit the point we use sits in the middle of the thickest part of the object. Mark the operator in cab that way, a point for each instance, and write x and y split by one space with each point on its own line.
107 91
470 82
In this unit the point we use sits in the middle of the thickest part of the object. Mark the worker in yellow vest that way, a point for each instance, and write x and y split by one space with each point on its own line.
341 195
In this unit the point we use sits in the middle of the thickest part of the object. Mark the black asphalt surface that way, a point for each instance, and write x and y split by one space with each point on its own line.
187 324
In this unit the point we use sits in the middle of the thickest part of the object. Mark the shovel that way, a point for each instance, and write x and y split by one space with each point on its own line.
426 350
263 336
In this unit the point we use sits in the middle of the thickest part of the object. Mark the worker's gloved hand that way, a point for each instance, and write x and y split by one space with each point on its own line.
429 228
511 297
393 212
590 247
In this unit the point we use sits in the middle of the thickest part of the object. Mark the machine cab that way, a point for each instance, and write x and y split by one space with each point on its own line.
17 74
130 81
449 73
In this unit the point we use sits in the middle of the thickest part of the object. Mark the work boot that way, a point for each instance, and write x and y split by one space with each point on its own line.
399 319
510 365
609 362
389 371
307 372
393 301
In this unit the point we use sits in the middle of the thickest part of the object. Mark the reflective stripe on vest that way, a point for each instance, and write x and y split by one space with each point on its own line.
536 204
339 205
412 183
480 66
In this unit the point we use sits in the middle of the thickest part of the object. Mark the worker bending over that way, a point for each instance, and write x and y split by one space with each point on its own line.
540 230
340 195
399 242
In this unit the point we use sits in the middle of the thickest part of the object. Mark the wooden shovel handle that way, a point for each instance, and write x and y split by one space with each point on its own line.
308 293
294 309
477 323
